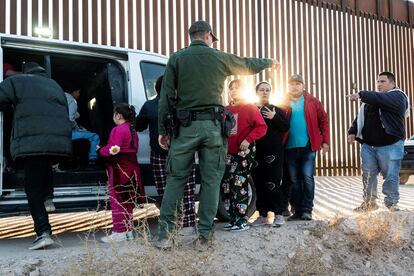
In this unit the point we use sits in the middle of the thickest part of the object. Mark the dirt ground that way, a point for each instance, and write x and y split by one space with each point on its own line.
378 243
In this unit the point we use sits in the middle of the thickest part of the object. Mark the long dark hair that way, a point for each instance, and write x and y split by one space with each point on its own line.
128 112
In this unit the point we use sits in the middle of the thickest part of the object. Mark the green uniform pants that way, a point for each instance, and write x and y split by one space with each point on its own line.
204 137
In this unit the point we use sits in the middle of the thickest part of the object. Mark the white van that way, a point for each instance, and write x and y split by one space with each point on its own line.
106 76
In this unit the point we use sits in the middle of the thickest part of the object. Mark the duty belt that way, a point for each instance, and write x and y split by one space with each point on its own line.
185 116
203 115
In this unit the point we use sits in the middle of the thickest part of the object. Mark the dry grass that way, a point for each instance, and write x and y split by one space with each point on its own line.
335 221
137 257
321 228
307 261
377 231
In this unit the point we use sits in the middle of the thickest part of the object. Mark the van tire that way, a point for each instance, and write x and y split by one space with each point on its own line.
224 216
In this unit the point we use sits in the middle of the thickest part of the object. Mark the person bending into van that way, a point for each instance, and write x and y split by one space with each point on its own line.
8 71
249 126
267 175
124 174
41 135
77 131
148 118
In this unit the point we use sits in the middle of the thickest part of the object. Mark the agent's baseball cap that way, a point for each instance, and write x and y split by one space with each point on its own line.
202 26
297 78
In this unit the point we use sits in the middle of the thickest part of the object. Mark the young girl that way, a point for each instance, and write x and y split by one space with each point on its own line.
249 127
123 172
269 157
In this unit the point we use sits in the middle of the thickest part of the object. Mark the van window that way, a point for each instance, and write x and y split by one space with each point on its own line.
150 73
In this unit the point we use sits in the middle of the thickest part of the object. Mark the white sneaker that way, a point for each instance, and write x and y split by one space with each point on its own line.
130 235
42 242
115 237
228 226
55 168
50 207
239 227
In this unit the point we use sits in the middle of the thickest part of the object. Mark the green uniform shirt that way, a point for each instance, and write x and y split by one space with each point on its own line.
195 76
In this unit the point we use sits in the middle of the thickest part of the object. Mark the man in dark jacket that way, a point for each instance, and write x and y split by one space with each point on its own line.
41 135
380 128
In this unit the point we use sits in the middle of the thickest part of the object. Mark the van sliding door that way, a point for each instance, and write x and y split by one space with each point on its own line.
1 127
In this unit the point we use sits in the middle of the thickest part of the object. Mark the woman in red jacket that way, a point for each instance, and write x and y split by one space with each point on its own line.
249 127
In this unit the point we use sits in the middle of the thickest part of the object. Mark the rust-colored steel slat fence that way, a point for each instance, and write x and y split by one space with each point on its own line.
339 46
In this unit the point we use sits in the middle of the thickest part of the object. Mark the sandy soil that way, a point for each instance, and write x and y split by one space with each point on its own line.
379 243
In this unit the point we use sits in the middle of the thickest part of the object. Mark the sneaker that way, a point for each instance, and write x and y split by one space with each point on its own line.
394 207
367 206
279 221
295 216
56 168
50 207
228 226
130 235
306 216
261 221
240 226
163 244
115 237
42 241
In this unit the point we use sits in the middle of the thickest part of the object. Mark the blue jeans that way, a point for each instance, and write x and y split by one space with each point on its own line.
301 166
93 140
387 161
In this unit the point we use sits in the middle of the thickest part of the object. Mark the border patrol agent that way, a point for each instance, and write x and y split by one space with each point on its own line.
192 91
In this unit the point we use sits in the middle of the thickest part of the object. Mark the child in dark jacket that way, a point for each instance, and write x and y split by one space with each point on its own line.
123 172
267 174
249 126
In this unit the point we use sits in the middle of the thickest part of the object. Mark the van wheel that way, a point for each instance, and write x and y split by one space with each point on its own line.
223 209
404 178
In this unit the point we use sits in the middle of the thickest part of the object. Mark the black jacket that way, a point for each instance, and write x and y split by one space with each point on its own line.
392 104
272 142
148 118
41 124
